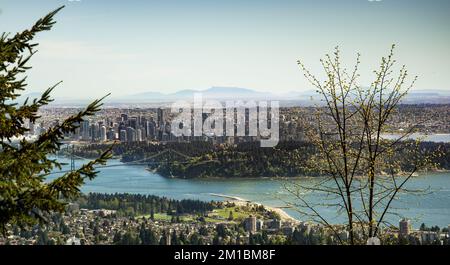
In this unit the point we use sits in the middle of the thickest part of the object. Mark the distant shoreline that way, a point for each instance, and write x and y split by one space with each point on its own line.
281 178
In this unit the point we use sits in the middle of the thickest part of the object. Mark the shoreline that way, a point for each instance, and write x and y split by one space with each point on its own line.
302 177
274 178
242 202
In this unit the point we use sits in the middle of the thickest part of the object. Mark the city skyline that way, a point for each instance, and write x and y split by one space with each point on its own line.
98 48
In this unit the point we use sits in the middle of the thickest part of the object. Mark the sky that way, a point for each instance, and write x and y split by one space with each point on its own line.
129 47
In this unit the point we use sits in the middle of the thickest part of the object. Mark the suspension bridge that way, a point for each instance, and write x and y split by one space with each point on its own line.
168 156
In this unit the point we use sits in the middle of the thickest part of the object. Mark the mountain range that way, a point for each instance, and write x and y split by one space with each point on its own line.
188 94
293 98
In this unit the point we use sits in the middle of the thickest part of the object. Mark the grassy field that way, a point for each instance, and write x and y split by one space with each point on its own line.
157 216
216 216
239 213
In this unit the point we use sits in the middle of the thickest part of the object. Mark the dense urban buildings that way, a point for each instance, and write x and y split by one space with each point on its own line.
154 124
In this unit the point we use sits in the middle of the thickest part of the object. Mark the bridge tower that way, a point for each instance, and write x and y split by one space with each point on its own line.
72 159
169 156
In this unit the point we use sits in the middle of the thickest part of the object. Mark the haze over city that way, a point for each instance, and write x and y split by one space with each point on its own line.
124 49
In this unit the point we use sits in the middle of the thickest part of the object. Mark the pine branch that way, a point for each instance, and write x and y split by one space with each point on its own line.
24 194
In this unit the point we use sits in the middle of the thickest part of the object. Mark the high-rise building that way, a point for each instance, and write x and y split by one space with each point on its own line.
123 135
133 122
167 236
250 224
305 227
344 235
276 224
85 130
131 134
139 135
448 234
140 120
151 129
404 227
111 135
259 224
161 117
103 136
95 135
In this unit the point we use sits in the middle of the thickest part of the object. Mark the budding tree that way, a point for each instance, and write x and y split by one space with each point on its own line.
362 172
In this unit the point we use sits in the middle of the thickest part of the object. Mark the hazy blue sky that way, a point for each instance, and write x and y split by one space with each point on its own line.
127 47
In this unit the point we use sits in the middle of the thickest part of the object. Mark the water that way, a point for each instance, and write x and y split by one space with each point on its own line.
437 138
432 209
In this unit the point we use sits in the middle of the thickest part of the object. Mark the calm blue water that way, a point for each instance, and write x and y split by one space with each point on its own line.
437 138
432 209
